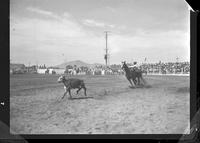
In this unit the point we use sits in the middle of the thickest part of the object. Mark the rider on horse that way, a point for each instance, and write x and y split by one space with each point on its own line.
135 67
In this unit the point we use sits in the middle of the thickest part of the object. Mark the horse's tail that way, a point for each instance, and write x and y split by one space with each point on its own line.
143 80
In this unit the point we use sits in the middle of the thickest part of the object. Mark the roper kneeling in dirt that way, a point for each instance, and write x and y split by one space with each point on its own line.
72 83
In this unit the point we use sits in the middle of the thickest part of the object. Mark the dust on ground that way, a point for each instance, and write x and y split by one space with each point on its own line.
111 107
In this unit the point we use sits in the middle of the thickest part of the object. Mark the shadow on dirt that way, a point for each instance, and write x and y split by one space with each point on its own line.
183 90
80 98
132 87
103 93
140 86
147 86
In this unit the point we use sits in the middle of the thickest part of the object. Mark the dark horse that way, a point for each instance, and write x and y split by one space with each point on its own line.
132 75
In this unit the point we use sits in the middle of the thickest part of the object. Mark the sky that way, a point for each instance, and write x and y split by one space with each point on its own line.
51 32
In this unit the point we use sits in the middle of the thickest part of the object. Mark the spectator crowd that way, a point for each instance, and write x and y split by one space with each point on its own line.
167 68
149 68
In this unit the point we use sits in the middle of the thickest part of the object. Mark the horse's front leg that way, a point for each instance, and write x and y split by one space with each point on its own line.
130 82
138 80
135 81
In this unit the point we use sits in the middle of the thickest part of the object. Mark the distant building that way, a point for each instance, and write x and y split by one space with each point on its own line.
102 72
17 68
32 69
41 71
51 70
56 70
59 71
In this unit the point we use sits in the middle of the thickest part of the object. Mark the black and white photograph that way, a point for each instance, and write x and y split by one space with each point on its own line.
99 67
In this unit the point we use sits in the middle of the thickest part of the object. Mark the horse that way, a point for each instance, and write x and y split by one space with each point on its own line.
132 75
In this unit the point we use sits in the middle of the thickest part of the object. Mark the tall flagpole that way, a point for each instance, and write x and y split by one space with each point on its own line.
106 55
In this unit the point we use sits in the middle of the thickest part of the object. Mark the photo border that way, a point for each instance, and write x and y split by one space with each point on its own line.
5 114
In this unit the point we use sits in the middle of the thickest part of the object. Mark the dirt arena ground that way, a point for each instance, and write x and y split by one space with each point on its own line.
111 107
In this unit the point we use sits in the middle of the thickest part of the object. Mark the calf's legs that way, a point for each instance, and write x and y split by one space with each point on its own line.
78 90
85 90
64 95
67 90
81 88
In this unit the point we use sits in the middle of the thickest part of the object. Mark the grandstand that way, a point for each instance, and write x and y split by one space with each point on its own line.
166 68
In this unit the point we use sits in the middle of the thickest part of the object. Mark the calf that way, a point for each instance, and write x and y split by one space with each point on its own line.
72 83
